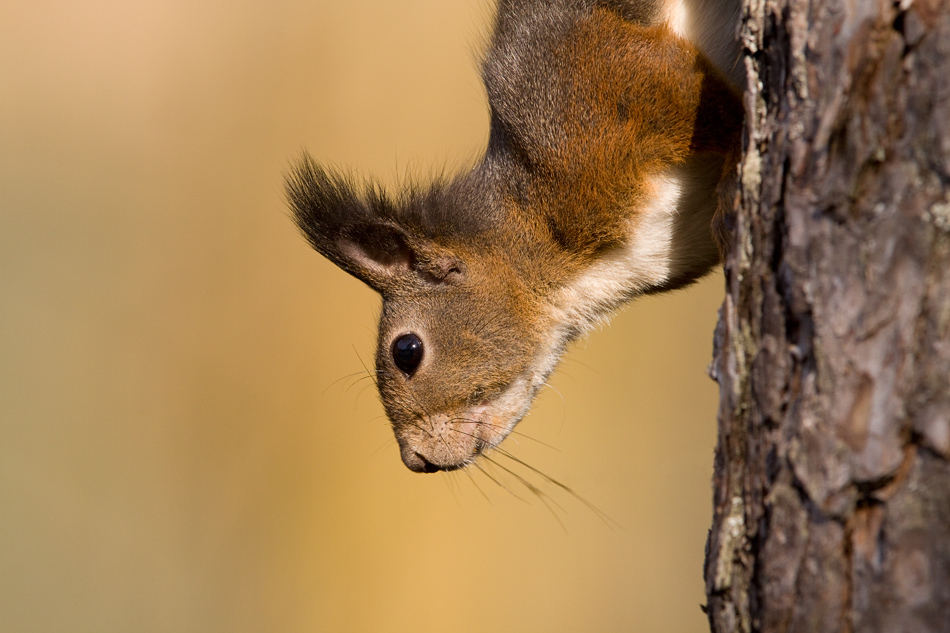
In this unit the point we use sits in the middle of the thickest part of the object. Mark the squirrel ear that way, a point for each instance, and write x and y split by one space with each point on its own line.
348 226
379 254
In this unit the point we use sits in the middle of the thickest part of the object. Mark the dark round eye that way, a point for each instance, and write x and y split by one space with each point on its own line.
407 353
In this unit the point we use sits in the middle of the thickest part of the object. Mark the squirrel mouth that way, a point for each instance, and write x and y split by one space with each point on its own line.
453 440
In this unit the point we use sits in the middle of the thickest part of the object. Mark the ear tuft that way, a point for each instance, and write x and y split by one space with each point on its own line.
389 245
348 225
322 202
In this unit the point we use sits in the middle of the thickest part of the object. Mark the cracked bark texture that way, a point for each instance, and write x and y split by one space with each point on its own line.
832 473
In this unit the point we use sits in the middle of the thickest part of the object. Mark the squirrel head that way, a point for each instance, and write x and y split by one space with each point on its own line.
463 342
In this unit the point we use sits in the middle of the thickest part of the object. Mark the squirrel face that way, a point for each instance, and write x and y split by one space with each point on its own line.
464 344
454 379
612 148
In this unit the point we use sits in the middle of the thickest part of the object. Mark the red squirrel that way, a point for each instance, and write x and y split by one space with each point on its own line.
609 173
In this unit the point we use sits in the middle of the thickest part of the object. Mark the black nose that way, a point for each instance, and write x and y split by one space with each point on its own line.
427 466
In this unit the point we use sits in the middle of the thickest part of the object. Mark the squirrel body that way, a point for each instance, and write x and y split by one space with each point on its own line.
609 173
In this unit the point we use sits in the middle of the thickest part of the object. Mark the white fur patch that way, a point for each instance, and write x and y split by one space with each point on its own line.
678 17
681 203
645 261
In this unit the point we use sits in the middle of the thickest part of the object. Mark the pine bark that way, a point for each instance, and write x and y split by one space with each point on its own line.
832 471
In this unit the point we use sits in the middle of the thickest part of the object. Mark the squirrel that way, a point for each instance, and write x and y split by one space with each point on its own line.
610 172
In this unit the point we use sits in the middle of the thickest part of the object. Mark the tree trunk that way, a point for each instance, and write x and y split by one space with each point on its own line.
832 474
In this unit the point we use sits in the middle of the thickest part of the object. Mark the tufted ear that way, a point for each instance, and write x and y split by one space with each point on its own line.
377 253
359 230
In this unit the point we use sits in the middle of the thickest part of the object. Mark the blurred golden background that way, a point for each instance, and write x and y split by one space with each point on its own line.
184 445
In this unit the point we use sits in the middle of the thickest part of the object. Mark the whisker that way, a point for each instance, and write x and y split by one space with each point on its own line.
570 360
603 516
452 484
341 379
563 404
497 426
555 390
496 481
530 486
474 483
537 441
365 368
359 380
360 393
537 492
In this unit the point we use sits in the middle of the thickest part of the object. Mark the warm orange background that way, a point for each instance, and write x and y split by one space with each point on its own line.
176 453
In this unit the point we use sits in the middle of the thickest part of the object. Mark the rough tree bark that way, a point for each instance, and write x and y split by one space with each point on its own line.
832 480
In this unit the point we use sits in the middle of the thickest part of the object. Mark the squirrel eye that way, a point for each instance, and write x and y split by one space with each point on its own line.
407 353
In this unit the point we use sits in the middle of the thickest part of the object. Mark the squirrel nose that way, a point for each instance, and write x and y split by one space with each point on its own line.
417 462
427 466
